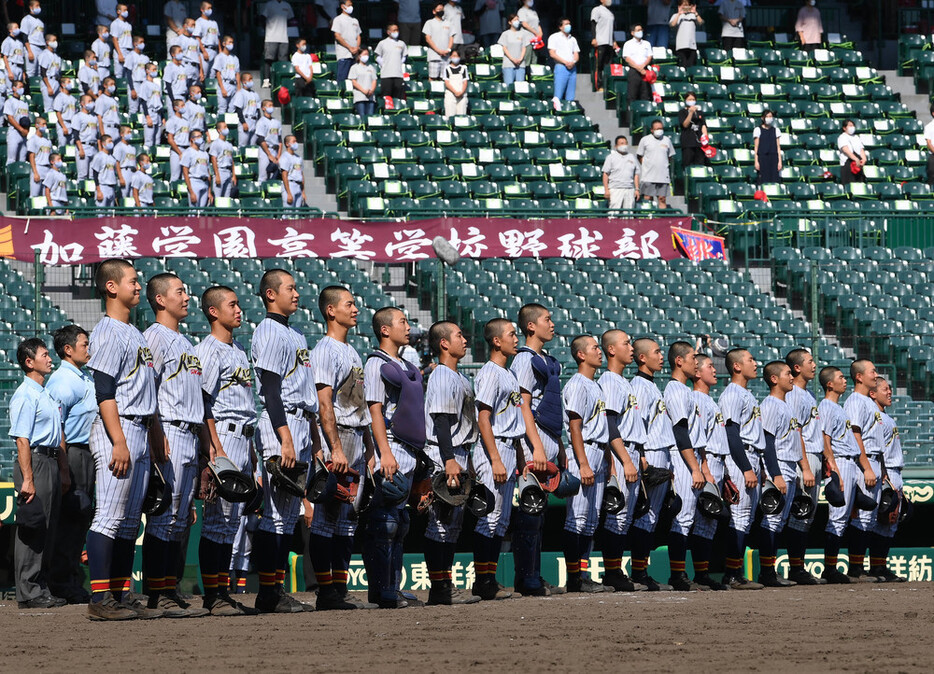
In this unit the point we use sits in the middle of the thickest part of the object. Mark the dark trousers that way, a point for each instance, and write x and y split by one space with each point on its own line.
638 89
603 54
304 89
308 569
343 69
392 86
693 156
32 552
847 176
687 57
732 42
931 169
67 578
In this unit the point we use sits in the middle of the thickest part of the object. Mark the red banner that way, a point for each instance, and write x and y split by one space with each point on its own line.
61 241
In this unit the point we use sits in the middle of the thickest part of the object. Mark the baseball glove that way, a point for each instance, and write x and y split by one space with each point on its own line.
291 480
730 492
654 476
207 486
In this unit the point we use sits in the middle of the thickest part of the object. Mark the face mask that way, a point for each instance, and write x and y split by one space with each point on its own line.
67 86
208 12
530 3
249 85
53 45
177 58
637 35
105 35
364 58
303 48
622 149
516 24
349 10
36 11
268 111
658 133
146 168
851 130
14 32
229 46
18 91
438 15
294 147
690 102
608 3
40 130
111 89
59 165
455 61
394 35
141 46
567 29
92 64
151 73
197 141
195 98
812 2
124 14
109 146
769 121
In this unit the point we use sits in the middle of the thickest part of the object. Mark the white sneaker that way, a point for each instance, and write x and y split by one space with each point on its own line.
266 84
557 103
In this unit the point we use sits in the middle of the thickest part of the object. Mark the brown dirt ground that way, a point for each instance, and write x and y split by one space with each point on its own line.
862 628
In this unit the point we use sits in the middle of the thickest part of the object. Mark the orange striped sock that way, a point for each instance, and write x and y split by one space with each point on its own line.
280 576
677 566
734 563
241 582
767 562
155 584
585 565
100 586
701 566
117 584
324 578
436 576
267 579
830 561
796 562
613 564
210 581
574 567
857 561
171 583
223 580
639 564
878 562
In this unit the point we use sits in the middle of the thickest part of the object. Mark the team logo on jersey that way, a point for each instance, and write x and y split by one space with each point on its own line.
301 358
814 413
895 432
878 417
756 414
633 402
599 408
241 376
143 359
191 363
515 399
660 409
719 420
848 424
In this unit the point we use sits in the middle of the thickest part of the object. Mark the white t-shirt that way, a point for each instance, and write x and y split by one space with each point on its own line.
732 9
853 142
349 29
564 46
637 50
686 37
758 132
929 131
277 15
454 15
603 17
331 8
302 63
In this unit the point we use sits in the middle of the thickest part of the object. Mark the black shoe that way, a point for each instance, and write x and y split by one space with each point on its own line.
836 577
770 578
448 595
886 576
329 600
43 601
490 590
802 577
618 581
221 606
584 584
681 583
410 599
650 584
860 576
540 591
269 601
737 581
706 580
551 588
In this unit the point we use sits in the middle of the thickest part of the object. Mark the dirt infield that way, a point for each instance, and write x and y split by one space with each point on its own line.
863 628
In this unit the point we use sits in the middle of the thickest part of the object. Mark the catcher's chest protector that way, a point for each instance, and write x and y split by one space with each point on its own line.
408 423
550 411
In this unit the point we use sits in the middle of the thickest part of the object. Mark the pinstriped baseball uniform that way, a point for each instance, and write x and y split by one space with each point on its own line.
659 440
178 388
804 408
619 397
739 406
681 405
449 392
376 392
894 462
584 398
864 413
120 351
778 419
338 365
714 429
528 383
281 349
845 450
228 382
497 388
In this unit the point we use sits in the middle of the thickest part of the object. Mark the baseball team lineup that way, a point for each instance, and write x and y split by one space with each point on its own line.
363 442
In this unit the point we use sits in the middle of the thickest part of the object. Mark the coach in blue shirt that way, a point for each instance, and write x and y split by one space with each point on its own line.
72 387
39 474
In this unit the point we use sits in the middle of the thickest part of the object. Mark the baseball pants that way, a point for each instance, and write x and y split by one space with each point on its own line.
814 492
32 552
297 200
345 524
449 530
67 575
621 521
885 528
223 102
84 165
706 527
202 188
660 458
246 138
684 520
36 188
527 529
32 64
266 168
852 476
243 543
175 164
119 500
15 146
152 135
109 194
281 509
181 476
225 189
583 509
743 513
496 522
868 518
222 518
777 522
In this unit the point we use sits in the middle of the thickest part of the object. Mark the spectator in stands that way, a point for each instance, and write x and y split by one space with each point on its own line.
293 177
34 30
637 53
693 126
325 11
105 172
657 21
175 76
106 11
655 152
456 80
65 105
515 44
55 185
246 104
531 28
410 21
269 139
732 15
565 52
50 69
363 79
16 112
39 154
767 146
601 27
686 21
194 110
208 35
14 53
809 26
174 13
221 152
134 67
440 42
489 15
621 173
226 70
89 75
125 154
177 135
454 15
102 50
852 155
391 53
929 141
121 32
276 45
191 53
195 163
141 185
107 109
150 105
87 131
347 37
304 75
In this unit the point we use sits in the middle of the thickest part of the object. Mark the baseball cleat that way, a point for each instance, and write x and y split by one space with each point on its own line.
410 599
739 582
770 578
220 606
109 609
681 583
650 583
802 577
329 600
618 581
885 575
836 577
490 591
540 591
551 588
585 585
143 612
448 595
706 580
860 576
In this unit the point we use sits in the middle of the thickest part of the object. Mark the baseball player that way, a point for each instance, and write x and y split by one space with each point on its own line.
287 429
451 430
539 376
73 389
838 436
804 409
499 418
866 423
396 399
622 409
716 450
227 384
688 465
338 373
746 442
783 438
893 461
659 441
180 431
125 388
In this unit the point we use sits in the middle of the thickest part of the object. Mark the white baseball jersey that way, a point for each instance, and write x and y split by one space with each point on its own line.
450 392
283 350
778 419
680 405
227 380
621 399
894 458
119 350
864 413
835 424
178 375
804 409
659 435
497 388
740 407
338 365
713 424
583 397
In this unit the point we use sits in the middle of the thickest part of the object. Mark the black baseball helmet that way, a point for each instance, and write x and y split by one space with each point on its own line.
709 501
158 497
802 505
864 501
771 501
614 498
832 491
